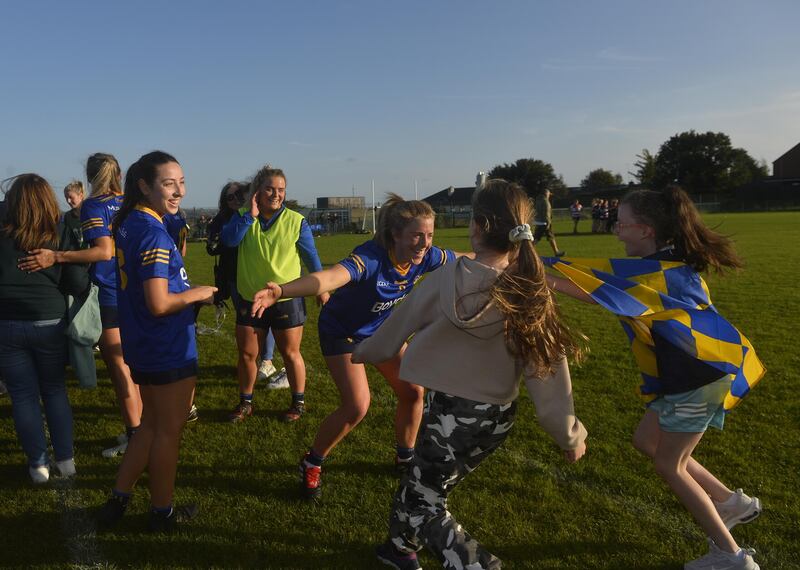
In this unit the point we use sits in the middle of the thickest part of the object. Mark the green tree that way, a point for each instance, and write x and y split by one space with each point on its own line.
600 178
532 174
645 172
704 162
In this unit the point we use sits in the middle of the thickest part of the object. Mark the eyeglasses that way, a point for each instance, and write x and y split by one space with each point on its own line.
233 196
620 226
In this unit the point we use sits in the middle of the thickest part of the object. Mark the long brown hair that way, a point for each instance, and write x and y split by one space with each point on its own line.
33 214
676 222
534 331
395 214
104 174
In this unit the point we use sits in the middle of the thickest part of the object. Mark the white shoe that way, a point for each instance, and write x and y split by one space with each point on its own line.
278 380
717 559
39 475
265 370
738 509
66 467
116 450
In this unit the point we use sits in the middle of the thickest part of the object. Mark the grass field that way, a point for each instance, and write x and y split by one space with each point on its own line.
609 511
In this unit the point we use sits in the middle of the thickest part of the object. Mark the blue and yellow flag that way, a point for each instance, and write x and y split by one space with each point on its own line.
670 301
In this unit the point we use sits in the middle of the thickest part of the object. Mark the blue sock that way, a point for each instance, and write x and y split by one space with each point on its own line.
165 511
314 459
298 397
246 397
404 453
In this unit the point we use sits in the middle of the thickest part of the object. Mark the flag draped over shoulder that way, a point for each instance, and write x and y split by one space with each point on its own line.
669 300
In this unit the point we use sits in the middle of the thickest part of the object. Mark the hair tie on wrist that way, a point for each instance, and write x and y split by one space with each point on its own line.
520 233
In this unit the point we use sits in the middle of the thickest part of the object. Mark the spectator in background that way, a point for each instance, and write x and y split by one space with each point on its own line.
603 217
33 350
575 212
596 205
613 207
544 223
74 195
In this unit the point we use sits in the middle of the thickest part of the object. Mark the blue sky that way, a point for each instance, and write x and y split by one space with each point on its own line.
341 93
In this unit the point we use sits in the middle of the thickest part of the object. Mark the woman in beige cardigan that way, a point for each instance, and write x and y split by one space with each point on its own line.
478 326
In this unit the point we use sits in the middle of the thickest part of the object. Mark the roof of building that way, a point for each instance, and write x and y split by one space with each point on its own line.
461 197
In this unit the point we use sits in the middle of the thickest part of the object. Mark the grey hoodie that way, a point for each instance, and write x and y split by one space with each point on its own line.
458 348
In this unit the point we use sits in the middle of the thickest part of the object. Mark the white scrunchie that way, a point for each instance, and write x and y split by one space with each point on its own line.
520 233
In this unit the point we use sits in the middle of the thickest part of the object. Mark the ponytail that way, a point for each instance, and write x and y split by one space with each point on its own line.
677 223
534 332
395 214
104 174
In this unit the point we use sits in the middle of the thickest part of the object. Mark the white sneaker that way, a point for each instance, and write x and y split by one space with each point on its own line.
115 451
265 370
66 467
278 380
39 475
717 559
738 509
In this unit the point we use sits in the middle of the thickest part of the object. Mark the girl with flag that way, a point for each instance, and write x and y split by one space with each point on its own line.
695 366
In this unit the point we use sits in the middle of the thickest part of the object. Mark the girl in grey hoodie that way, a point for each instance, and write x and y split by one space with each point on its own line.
494 321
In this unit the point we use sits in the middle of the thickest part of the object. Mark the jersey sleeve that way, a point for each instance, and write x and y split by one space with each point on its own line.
94 220
152 255
438 257
362 263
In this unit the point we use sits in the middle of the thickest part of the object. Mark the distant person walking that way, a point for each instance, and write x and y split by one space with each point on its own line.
575 212
544 224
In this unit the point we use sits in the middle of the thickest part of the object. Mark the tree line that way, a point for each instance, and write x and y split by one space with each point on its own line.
700 162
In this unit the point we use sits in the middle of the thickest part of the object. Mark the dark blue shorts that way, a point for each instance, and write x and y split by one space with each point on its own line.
331 346
280 316
109 317
163 377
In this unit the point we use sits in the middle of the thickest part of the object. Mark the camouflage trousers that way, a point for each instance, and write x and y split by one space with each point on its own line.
456 434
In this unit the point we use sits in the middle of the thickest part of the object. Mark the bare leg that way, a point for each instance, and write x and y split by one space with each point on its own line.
672 455
646 440
249 341
409 402
128 397
288 343
354 398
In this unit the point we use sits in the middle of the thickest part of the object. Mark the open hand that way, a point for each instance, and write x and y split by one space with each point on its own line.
265 298
254 211
36 260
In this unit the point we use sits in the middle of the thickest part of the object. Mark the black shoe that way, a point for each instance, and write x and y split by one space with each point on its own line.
387 554
166 523
112 511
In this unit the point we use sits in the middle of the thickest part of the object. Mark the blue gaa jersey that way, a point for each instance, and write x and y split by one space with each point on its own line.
96 215
146 251
377 284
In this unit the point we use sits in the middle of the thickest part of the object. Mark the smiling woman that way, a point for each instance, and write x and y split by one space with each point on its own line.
156 320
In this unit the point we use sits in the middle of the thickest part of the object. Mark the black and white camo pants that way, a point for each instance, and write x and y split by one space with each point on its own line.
456 434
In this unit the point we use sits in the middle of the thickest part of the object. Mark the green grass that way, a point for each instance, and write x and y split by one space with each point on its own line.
525 504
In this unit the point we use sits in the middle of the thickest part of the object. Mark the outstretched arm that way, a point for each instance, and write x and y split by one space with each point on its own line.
567 287
313 284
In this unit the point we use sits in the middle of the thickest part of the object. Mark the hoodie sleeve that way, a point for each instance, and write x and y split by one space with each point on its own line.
407 318
552 396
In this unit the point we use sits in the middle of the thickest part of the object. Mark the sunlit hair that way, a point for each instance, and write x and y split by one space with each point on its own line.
146 169
534 331
74 186
265 173
395 214
677 223
32 212
104 174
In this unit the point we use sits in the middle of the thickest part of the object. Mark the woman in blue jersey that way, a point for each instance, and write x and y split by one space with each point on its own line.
377 275
97 211
156 316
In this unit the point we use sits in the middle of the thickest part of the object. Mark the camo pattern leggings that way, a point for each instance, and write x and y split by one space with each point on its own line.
455 436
